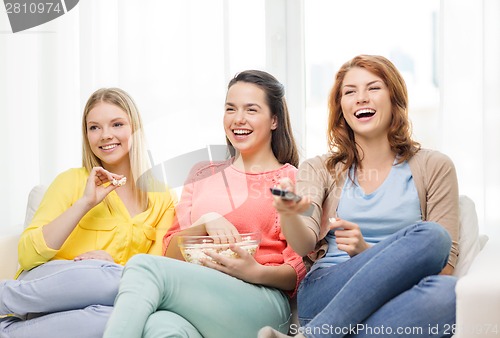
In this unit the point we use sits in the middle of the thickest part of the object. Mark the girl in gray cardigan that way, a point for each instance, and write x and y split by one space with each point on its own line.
378 219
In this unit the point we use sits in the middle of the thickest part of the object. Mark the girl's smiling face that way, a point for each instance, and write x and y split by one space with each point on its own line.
248 121
108 133
366 104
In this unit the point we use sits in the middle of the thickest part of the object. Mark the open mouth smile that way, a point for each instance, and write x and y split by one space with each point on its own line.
364 113
241 132
109 146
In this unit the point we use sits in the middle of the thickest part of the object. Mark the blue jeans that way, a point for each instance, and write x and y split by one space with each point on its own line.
389 290
163 297
60 299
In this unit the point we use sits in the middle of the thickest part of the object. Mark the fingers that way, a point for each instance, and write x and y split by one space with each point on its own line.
239 250
341 224
348 236
224 261
215 258
221 230
102 176
292 206
96 254
235 236
298 205
212 263
223 236
216 261
286 184
96 189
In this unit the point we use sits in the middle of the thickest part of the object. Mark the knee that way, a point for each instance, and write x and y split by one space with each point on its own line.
434 244
441 290
437 237
112 269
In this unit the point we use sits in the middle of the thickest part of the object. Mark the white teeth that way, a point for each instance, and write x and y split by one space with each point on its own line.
111 146
241 132
364 111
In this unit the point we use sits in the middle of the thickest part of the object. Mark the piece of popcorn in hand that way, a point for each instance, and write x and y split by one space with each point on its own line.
119 182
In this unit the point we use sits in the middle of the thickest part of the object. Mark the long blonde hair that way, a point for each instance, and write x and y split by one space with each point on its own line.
341 141
139 161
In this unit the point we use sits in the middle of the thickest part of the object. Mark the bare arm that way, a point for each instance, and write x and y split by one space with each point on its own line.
282 277
299 236
173 250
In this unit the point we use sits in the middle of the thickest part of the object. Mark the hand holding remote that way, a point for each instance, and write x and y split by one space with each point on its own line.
285 194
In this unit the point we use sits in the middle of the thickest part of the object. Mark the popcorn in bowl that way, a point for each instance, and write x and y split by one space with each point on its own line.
193 248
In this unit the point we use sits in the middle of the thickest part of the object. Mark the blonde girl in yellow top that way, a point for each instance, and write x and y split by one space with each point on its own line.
88 225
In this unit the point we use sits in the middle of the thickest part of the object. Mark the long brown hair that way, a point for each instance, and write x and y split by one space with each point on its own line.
282 140
341 141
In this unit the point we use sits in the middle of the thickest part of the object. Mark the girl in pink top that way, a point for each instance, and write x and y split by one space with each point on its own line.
164 297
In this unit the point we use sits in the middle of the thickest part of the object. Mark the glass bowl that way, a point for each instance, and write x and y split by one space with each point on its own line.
193 248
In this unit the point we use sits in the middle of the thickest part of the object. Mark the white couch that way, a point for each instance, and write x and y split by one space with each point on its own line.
478 269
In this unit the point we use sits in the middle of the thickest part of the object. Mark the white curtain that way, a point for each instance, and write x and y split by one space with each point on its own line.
470 113
175 58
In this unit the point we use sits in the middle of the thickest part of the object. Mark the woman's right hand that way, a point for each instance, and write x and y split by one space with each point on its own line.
218 225
298 235
286 207
212 224
95 190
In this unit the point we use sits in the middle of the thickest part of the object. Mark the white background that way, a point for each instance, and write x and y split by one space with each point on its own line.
175 58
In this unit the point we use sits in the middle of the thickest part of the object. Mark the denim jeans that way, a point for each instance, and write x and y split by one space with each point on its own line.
163 297
389 290
60 299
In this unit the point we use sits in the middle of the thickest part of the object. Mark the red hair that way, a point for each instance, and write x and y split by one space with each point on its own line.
341 141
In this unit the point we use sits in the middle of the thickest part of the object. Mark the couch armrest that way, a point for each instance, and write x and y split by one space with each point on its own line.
478 295
9 237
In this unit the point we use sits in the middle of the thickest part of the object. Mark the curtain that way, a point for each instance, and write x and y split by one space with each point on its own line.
470 116
173 57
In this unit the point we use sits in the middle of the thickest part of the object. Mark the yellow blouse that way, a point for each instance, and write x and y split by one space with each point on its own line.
102 228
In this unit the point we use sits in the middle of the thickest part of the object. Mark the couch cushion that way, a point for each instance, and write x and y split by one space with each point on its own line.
34 199
8 251
469 244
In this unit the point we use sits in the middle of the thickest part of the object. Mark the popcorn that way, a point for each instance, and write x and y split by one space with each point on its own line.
119 182
196 252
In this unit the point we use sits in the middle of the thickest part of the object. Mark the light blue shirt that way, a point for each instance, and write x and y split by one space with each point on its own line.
391 207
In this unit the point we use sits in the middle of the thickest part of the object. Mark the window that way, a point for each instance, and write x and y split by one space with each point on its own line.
176 57
336 31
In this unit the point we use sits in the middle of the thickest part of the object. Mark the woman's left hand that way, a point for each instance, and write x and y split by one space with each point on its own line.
243 267
348 237
95 254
